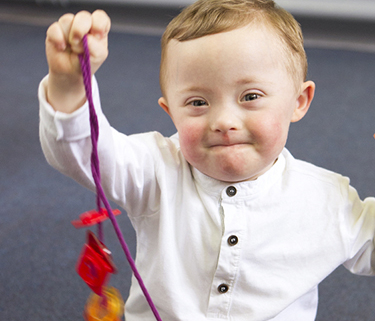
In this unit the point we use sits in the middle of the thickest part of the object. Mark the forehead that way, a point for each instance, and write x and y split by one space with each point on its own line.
257 31
250 49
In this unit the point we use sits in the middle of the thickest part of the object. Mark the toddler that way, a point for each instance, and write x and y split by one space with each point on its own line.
229 225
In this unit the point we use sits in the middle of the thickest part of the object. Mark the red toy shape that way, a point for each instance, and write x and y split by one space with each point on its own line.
93 217
95 264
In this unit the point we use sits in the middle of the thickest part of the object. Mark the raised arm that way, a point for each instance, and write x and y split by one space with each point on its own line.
65 90
128 163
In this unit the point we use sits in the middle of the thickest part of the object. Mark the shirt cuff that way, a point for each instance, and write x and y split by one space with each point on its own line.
68 127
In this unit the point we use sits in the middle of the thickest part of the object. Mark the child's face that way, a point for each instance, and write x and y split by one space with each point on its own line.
232 100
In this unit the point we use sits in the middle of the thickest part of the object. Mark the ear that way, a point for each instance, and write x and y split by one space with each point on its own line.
164 104
304 101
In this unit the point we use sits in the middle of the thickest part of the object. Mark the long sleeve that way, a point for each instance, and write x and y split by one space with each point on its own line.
127 163
360 231
65 138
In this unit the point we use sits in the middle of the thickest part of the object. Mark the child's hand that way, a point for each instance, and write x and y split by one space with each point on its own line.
65 90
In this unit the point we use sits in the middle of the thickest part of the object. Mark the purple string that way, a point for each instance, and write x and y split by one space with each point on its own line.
86 72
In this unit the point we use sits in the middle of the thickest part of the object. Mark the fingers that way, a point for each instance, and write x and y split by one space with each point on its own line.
96 24
64 42
101 24
80 26
65 23
70 29
98 38
57 33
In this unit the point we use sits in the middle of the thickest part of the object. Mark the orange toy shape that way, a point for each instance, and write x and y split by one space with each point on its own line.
109 307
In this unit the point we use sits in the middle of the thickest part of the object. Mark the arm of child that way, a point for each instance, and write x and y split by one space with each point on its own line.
65 89
128 163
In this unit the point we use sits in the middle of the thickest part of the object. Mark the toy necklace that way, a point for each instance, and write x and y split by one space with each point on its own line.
95 263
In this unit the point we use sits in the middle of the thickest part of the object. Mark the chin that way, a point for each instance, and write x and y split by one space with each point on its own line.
234 173
234 177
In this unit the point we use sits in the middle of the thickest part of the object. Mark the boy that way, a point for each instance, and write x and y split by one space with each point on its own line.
229 225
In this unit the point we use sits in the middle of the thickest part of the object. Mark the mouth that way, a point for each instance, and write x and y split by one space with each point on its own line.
223 145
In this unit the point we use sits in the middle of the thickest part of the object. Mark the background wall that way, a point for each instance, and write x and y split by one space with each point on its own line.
354 9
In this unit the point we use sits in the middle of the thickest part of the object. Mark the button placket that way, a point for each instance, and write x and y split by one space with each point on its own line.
231 191
230 252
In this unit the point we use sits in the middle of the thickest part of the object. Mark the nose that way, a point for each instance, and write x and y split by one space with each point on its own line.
225 119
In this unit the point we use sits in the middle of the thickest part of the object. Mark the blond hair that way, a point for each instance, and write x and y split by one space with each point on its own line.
207 17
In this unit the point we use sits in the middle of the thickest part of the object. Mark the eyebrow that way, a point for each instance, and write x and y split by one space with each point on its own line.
245 81
195 89
242 81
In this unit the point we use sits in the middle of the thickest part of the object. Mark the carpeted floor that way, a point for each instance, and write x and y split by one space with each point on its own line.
38 245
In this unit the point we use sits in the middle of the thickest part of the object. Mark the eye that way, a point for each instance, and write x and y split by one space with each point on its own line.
198 103
250 97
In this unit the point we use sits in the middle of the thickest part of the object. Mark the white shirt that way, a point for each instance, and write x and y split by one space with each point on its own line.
208 250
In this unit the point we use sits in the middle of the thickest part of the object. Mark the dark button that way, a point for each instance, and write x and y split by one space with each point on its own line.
231 191
232 240
223 288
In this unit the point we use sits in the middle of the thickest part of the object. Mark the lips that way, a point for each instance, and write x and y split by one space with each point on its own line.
227 141
228 145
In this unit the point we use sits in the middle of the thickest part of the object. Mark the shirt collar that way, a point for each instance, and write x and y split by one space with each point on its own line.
244 189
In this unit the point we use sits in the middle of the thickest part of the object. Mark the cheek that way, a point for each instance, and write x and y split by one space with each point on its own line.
190 137
271 133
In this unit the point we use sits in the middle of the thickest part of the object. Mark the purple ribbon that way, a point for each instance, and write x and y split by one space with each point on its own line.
86 72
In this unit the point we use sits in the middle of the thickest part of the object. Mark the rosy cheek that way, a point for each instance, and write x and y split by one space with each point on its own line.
190 140
271 133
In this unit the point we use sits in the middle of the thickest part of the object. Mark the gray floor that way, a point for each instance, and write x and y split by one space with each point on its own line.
39 247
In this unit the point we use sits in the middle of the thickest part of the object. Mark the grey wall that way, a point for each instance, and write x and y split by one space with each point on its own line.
357 9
